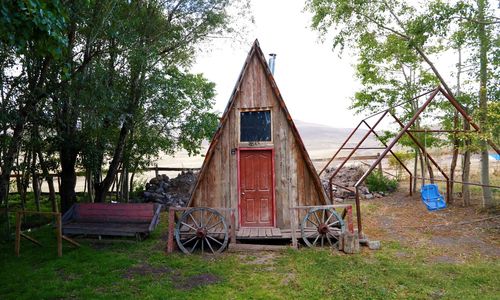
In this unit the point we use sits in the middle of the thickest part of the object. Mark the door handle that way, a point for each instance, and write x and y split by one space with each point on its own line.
242 193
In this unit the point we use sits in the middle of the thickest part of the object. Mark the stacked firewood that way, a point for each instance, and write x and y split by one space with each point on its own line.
347 176
170 192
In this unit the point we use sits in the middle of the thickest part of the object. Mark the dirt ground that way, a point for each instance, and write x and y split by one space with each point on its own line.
180 282
454 234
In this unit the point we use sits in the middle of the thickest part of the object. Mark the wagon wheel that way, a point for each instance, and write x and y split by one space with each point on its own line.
202 228
322 226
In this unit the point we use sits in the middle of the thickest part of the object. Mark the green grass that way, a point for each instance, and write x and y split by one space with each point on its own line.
106 271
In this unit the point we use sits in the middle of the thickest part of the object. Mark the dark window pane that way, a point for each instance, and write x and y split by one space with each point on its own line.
255 126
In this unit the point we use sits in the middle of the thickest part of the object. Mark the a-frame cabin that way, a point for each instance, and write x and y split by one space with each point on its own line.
257 161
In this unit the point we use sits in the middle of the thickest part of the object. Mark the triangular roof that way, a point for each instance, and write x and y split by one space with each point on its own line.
256 51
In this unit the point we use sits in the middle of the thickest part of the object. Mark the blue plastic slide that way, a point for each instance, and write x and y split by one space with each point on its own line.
431 197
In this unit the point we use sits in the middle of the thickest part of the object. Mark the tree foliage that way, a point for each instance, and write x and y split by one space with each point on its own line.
106 85
396 43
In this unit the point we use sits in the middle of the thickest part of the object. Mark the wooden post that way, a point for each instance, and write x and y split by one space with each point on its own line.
171 221
350 243
233 228
330 189
18 233
380 164
294 228
350 225
358 214
156 170
59 234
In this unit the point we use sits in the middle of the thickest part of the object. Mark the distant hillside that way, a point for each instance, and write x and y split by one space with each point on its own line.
322 141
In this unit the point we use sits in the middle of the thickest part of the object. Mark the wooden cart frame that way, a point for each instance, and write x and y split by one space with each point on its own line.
297 231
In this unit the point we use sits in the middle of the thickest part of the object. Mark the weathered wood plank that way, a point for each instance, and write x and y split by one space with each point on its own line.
254 232
294 157
224 171
276 232
216 188
243 232
253 247
293 224
29 238
294 183
123 212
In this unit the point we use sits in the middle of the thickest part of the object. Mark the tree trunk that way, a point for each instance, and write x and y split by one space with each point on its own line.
455 140
35 182
25 178
484 45
415 170
429 169
50 181
90 187
8 160
34 94
68 177
101 188
422 169
131 184
125 195
453 167
466 168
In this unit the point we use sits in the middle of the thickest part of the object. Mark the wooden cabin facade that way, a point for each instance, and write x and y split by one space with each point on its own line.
257 161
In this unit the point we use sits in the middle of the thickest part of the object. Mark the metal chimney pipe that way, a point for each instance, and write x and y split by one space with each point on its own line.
272 62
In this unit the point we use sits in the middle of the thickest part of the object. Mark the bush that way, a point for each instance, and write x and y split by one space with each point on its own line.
377 182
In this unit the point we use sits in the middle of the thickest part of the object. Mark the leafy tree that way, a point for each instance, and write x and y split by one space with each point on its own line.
32 37
106 84
419 28
391 72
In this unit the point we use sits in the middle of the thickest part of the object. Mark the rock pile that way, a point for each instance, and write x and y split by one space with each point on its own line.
170 192
347 176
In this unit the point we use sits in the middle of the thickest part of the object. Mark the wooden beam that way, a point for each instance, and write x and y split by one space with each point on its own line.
171 223
31 239
293 220
71 241
253 247
233 229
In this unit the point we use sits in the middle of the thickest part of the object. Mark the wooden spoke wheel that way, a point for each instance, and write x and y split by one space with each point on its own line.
202 229
322 227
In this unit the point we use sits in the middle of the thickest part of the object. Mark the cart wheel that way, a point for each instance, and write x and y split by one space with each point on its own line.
322 226
202 228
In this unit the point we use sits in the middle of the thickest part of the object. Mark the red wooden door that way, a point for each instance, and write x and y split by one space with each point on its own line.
256 188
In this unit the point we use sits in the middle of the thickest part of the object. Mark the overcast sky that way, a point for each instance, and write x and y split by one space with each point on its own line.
315 83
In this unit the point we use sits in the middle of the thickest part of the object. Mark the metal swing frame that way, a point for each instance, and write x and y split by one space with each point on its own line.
405 129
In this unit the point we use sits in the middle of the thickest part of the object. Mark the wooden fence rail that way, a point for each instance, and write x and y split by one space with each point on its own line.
59 236
157 169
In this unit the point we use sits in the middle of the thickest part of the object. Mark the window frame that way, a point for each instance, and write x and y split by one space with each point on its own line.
255 109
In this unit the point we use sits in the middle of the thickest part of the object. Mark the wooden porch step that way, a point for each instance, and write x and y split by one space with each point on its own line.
252 247
258 233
